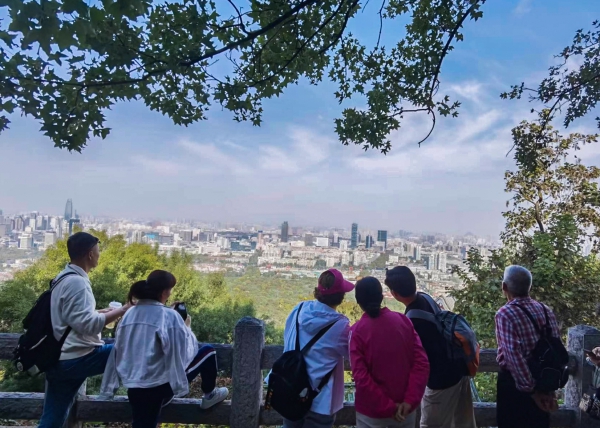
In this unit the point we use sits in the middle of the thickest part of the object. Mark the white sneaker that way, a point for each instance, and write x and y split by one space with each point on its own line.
215 397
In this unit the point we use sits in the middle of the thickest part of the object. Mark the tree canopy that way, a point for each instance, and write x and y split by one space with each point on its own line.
65 62
553 215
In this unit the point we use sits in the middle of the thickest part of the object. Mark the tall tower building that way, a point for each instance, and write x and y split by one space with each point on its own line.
441 262
382 237
354 236
417 253
69 210
368 242
285 231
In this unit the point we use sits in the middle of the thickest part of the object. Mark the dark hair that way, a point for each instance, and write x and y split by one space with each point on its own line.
80 244
401 281
152 288
326 280
369 295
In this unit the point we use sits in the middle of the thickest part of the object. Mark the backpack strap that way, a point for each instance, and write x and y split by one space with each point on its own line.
318 336
298 327
53 285
58 280
532 319
434 306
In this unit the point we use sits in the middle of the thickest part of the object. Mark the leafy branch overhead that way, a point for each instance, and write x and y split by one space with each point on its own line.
572 88
65 62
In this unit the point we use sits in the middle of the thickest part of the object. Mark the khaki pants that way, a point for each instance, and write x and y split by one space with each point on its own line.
363 421
448 408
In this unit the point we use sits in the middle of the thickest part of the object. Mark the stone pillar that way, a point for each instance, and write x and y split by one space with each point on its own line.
579 338
247 381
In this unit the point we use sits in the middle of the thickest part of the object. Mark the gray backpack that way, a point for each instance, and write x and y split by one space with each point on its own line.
460 337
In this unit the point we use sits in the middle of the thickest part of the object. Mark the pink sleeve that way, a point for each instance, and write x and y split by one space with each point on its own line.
419 372
363 379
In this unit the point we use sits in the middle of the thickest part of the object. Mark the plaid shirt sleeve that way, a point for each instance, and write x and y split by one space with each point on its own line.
515 362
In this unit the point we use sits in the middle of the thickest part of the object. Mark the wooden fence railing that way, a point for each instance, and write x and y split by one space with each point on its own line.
246 359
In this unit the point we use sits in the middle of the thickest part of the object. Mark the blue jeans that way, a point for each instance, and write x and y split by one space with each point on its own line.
64 380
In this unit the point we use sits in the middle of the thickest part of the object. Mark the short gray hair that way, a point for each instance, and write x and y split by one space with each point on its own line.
518 280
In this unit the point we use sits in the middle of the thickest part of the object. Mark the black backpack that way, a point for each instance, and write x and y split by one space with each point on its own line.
38 350
290 392
549 360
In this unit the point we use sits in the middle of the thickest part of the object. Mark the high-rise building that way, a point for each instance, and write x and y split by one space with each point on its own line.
49 239
417 253
69 210
368 241
26 241
72 223
354 236
309 240
382 237
186 235
285 231
430 261
137 236
441 262
322 241
19 223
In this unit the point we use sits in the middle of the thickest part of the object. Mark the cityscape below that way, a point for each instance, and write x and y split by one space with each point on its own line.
288 251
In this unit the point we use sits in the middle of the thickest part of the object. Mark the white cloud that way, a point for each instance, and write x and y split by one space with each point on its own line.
472 91
210 156
523 7
158 166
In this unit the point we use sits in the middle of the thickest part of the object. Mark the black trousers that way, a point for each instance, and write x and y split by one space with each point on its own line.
516 409
147 403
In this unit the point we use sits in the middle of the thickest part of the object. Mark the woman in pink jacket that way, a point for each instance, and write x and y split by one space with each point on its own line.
389 364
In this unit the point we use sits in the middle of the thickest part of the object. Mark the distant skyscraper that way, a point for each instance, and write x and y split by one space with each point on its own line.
354 236
26 241
417 253
285 231
430 261
73 222
441 262
368 241
186 235
309 240
49 239
69 210
382 237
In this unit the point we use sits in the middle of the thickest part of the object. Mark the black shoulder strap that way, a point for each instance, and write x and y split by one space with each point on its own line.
61 342
324 380
318 336
533 321
58 280
298 327
434 306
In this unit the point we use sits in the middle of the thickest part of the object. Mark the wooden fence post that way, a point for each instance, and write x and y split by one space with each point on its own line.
247 382
579 338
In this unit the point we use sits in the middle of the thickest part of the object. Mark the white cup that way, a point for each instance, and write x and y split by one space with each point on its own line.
113 305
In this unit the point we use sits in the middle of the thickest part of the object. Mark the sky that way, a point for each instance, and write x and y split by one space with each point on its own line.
293 168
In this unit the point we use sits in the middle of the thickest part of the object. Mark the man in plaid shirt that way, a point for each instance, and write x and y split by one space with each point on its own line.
518 404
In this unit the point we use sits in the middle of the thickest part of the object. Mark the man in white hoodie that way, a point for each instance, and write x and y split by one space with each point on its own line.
328 353
84 354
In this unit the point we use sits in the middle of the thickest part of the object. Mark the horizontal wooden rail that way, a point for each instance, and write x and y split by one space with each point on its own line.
18 405
270 354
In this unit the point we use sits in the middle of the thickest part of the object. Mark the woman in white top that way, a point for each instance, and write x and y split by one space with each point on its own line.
156 354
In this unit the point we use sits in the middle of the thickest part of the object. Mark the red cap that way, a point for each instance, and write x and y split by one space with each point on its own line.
340 285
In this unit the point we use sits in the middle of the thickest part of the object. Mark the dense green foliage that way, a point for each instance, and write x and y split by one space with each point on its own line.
65 62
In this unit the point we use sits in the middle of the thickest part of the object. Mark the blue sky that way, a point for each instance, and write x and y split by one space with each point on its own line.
293 168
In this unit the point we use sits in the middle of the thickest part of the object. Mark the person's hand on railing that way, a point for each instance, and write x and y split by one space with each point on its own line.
594 356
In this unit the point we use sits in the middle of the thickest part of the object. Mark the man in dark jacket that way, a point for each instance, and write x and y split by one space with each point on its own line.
447 402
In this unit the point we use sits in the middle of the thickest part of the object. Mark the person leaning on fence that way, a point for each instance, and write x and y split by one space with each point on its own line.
448 401
156 354
389 365
519 405
83 354
326 356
